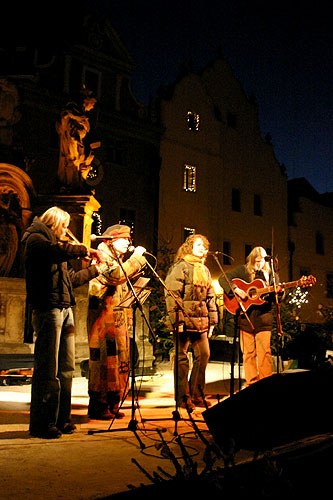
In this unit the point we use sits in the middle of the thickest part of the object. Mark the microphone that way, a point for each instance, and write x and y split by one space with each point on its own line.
132 248
220 253
268 258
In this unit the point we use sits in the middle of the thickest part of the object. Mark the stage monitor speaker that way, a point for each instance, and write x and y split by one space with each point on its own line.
275 411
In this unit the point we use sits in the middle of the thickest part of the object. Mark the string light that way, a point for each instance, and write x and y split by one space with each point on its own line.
93 173
299 297
98 223
190 178
193 121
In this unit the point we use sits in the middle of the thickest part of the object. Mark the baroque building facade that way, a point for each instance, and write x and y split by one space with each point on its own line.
195 161
115 138
220 178
311 245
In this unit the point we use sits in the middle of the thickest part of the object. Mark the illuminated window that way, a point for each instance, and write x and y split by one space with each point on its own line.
193 121
190 174
188 231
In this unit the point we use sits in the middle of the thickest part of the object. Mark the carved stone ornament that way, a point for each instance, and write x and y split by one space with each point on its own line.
9 113
16 191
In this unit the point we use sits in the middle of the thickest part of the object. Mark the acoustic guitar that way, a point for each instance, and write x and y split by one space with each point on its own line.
256 289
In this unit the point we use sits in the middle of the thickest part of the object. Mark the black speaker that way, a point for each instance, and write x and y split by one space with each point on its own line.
277 410
222 350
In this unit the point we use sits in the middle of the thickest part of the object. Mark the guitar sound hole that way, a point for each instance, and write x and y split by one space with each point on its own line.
252 293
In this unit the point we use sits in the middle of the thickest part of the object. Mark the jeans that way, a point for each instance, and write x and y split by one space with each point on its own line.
54 364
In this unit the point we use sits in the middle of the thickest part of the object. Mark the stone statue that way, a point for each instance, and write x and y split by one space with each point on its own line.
9 113
10 230
76 155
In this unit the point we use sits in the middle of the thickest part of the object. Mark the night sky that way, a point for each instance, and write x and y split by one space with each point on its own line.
280 51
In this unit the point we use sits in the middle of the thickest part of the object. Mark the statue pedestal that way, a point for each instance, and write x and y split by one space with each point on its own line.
12 317
80 207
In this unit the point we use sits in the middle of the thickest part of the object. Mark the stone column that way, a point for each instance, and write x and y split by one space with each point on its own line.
80 208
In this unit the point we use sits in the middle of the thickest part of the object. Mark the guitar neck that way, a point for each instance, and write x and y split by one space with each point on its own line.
270 289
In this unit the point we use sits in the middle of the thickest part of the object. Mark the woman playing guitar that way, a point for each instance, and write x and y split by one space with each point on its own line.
256 325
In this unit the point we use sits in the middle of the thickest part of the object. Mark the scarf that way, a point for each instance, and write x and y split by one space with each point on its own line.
200 277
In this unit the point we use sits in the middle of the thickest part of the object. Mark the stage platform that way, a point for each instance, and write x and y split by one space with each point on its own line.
105 458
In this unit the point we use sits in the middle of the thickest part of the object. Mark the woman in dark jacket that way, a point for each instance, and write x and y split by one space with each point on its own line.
49 285
255 326
193 316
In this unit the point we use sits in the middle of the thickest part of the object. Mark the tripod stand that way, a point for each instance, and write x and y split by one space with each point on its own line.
135 298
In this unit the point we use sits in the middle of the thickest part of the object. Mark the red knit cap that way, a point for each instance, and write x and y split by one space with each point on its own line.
118 231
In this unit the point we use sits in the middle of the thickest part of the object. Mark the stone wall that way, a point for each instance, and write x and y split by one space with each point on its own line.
12 325
12 316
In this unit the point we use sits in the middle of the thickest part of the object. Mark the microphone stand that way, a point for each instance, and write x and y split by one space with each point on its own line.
175 413
236 327
136 303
